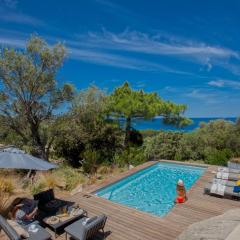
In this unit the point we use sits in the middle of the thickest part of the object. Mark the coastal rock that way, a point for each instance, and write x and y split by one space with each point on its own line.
216 228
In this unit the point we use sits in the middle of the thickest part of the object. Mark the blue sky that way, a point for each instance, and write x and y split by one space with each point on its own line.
187 51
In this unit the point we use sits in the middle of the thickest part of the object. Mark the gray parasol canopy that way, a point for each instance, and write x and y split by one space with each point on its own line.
13 158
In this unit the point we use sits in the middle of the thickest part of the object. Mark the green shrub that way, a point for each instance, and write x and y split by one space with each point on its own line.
37 187
133 155
165 145
120 159
136 156
191 147
70 176
221 137
216 134
217 157
91 160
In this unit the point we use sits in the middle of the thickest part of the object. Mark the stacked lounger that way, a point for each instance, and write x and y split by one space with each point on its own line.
223 183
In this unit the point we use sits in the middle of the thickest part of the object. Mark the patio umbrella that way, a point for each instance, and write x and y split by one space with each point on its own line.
14 158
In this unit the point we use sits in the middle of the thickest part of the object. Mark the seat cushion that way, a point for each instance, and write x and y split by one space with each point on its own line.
89 220
41 234
77 230
8 229
19 230
56 203
44 197
52 206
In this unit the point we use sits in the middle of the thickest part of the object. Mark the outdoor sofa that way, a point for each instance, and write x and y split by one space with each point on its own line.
12 234
232 174
48 204
82 230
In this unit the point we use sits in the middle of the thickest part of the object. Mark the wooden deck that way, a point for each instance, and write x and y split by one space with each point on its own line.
125 223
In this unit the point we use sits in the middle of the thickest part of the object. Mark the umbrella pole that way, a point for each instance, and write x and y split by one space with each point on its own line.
31 176
29 173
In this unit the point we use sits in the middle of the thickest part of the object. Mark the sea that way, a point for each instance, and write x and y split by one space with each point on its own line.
157 124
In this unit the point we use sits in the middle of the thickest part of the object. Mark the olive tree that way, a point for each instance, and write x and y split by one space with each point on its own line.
29 95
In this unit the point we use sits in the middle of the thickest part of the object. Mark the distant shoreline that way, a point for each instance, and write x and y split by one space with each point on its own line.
157 124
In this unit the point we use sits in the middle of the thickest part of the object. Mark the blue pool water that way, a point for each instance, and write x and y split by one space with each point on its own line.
153 189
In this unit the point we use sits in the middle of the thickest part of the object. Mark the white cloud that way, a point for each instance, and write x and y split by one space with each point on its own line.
110 49
225 83
115 60
20 43
18 40
9 13
20 18
143 43
9 3
182 49
205 96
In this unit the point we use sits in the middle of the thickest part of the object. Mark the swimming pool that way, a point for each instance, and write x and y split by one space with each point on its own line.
152 189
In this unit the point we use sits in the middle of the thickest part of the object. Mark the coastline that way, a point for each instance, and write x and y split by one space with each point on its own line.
157 124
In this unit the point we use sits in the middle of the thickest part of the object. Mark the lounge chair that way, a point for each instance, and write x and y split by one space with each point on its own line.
81 231
231 176
228 173
228 191
224 182
41 234
230 170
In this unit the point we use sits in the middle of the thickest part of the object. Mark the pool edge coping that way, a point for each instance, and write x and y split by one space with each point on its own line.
91 190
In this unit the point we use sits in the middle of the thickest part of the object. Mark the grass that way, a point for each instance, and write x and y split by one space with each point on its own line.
6 191
63 180
69 178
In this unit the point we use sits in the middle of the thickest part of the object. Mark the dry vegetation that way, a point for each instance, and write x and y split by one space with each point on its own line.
63 180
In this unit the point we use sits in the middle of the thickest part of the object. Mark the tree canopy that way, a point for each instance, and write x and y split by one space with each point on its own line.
85 130
128 103
29 94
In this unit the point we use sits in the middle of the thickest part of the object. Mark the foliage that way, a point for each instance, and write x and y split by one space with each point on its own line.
104 169
214 143
131 155
71 177
37 187
51 181
6 191
86 132
149 133
217 157
135 138
91 160
164 145
29 94
128 103
191 146
216 134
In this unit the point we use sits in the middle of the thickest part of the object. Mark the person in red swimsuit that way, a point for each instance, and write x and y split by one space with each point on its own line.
181 192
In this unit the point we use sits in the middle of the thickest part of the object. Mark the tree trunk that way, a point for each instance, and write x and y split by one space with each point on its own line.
127 132
37 142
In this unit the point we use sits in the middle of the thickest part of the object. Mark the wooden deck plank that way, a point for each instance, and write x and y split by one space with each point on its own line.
125 223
